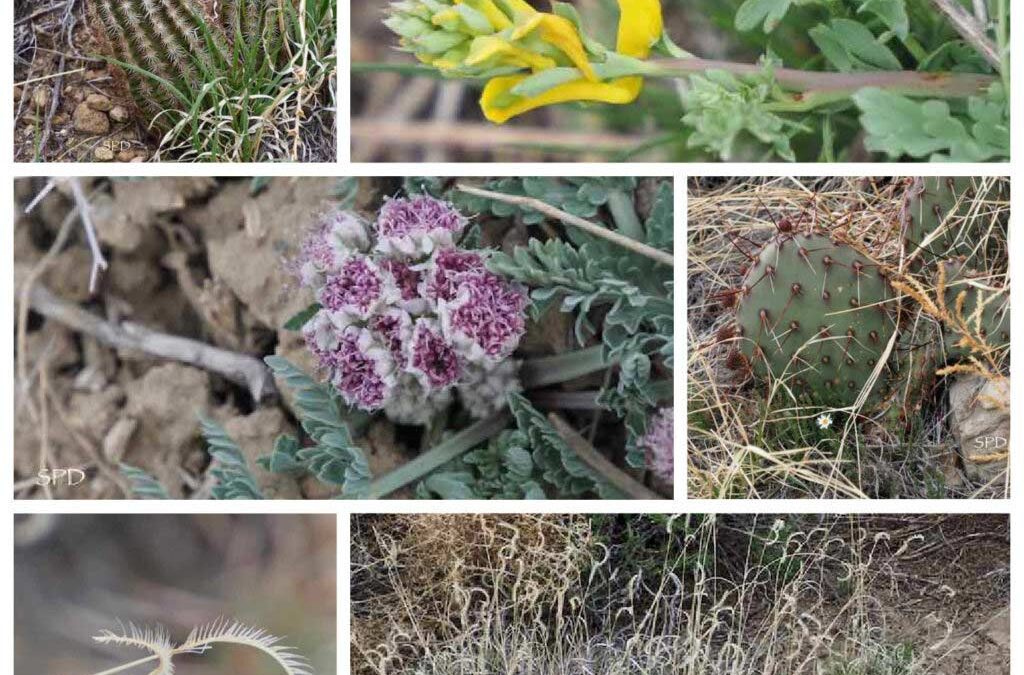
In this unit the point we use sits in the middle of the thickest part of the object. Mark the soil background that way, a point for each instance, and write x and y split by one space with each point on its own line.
200 258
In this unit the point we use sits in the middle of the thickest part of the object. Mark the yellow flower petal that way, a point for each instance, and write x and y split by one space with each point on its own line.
499 105
487 47
561 33
640 26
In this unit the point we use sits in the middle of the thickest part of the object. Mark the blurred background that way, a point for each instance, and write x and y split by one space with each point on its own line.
396 117
75 575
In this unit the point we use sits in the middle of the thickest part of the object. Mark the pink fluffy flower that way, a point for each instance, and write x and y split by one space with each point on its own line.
446 268
407 280
415 227
393 327
321 338
431 358
364 370
336 236
486 318
358 289
659 444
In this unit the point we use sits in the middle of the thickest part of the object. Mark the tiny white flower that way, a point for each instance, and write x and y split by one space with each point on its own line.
824 421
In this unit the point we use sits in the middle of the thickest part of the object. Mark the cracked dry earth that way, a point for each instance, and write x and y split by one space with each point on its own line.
193 257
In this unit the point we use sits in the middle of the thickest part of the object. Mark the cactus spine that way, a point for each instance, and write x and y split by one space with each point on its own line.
812 311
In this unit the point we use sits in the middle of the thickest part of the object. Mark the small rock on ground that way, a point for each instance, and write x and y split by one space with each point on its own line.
90 121
980 422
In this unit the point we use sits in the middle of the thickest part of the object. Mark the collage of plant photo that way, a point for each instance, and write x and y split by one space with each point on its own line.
302 406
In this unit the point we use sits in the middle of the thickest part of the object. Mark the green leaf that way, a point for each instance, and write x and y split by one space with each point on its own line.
449 486
722 110
229 468
346 191
893 14
850 46
767 13
142 484
284 458
660 223
559 464
301 318
334 458
899 126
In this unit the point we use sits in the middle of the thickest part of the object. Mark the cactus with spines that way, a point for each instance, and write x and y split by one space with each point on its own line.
934 218
170 49
812 311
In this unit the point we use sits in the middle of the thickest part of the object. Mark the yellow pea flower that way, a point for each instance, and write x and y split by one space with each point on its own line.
640 27
486 38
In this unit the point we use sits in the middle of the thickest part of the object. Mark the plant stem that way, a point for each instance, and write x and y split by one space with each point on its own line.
970 29
595 460
804 82
128 666
460 443
545 370
400 68
569 219
624 214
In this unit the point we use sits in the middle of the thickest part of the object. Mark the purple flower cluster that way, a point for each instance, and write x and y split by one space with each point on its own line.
406 317
658 443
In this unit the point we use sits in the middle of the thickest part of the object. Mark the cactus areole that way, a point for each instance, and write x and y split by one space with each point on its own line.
812 314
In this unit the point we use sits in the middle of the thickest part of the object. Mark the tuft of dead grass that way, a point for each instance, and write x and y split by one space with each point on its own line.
713 595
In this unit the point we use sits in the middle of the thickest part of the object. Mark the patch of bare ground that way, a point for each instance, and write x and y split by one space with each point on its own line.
68 106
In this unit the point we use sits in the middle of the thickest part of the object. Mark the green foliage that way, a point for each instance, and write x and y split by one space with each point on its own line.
894 659
777 549
333 458
232 475
899 126
751 118
592 277
653 544
726 113
581 197
302 318
221 84
558 464
850 46
503 469
142 484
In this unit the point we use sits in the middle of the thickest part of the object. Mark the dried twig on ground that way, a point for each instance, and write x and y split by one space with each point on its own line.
239 368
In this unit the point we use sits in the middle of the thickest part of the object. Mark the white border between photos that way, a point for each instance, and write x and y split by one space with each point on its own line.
343 508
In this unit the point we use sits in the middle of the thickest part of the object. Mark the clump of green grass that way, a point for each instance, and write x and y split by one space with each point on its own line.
234 81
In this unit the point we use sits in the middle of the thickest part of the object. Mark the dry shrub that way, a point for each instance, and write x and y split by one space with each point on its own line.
424 580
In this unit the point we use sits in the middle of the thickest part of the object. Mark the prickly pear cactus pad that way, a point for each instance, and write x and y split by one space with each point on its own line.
935 216
812 311
970 330
824 349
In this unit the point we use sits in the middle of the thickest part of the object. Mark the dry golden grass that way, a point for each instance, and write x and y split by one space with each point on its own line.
714 595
